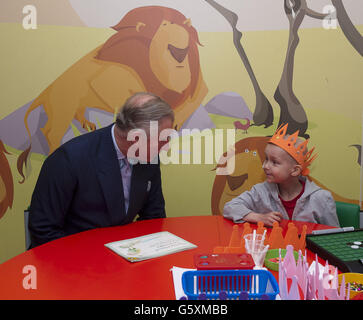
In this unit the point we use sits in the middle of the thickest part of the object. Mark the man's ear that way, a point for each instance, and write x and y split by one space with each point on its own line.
296 171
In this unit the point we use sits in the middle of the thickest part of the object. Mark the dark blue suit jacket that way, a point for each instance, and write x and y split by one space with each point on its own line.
80 187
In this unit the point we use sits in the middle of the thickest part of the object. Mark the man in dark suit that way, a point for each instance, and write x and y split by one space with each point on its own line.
88 182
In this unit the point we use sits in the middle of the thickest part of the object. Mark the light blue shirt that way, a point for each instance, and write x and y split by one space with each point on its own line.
125 169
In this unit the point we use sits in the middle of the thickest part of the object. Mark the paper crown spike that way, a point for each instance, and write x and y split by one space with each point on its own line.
288 143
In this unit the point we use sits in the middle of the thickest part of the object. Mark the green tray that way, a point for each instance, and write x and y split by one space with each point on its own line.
274 253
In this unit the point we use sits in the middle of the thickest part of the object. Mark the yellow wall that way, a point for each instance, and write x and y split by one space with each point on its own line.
327 80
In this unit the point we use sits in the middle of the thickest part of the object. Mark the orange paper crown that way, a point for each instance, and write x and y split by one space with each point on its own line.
299 153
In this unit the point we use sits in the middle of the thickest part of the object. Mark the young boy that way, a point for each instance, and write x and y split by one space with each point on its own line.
286 193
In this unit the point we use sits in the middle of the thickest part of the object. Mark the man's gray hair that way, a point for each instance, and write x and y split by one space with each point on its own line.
140 109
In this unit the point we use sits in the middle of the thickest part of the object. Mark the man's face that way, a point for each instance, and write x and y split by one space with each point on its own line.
154 143
144 146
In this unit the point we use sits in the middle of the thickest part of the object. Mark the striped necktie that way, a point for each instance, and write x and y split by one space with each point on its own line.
126 180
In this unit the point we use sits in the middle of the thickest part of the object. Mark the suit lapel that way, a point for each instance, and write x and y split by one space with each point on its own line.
108 171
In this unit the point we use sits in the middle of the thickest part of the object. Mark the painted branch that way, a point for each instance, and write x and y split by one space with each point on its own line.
348 28
263 114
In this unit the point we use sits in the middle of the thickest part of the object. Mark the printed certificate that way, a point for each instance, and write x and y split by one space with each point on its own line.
149 246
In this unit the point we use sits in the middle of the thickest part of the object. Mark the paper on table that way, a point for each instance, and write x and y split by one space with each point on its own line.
150 246
177 279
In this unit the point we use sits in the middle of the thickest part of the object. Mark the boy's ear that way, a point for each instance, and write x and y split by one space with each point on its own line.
296 171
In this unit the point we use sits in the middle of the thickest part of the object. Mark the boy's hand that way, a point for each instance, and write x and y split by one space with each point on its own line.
267 218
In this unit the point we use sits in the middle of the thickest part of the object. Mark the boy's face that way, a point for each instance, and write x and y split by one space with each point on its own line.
279 166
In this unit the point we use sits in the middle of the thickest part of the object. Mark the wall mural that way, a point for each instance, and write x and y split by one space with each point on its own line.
6 182
154 49
158 49
226 188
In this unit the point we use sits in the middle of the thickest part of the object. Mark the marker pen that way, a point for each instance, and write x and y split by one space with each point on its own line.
335 230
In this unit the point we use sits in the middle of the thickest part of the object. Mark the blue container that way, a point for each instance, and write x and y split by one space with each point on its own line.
258 284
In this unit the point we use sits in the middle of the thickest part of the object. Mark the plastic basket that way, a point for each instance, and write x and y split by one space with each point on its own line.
254 284
351 277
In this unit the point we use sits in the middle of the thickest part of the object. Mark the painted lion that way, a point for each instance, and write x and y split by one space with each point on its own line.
6 182
155 49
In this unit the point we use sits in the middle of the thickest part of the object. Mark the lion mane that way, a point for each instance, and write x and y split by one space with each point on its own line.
251 143
6 182
131 47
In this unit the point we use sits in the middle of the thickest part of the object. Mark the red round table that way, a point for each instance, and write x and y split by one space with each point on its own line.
81 267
